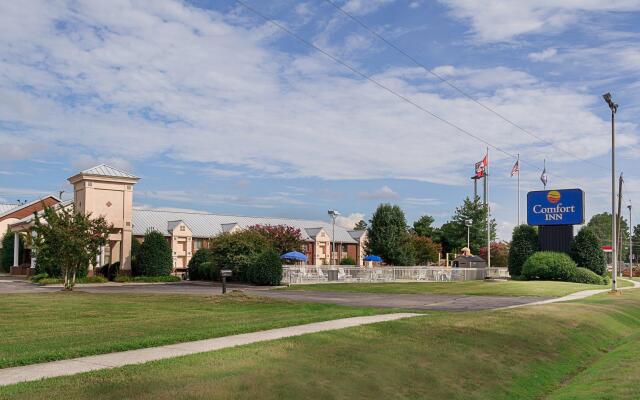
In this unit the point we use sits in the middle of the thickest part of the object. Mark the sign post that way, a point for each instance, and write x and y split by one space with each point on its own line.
224 273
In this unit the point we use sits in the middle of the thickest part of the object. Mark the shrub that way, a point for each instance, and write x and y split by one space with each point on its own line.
93 279
123 279
549 266
207 271
347 261
201 256
152 279
110 271
266 268
237 251
584 275
587 253
50 281
283 238
524 243
135 257
6 261
156 258
425 250
38 277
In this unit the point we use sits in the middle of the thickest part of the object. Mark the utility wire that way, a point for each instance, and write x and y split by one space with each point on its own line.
455 87
383 87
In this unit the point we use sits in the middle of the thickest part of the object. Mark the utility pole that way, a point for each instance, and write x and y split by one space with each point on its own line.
333 214
619 222
630 243
486 183
614 108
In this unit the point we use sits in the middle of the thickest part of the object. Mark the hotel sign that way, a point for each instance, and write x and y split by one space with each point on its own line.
555 207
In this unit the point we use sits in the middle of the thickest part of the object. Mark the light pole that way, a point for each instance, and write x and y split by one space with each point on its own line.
630 243
468 223
614 108
333 214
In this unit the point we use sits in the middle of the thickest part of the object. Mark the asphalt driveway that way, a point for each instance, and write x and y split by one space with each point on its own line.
401 301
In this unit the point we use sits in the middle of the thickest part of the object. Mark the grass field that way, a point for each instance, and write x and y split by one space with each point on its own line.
44 327
485 288
557 351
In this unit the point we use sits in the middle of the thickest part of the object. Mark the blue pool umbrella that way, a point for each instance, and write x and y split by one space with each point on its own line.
373 258
294 255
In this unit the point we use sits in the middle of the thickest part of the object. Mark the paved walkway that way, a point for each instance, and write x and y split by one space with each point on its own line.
92 363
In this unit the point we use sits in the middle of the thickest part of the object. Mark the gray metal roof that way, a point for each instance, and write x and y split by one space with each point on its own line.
204 225
107 170
357 234
171 225
7 207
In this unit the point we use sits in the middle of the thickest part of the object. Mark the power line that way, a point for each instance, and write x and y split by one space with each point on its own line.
453 86
382 86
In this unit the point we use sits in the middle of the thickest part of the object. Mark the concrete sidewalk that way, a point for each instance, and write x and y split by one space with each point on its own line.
73 366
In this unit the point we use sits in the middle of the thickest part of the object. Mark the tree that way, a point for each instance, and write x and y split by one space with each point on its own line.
388 236
70 239
6 260
422 226
499 254
600 224
156 257
266 268
425 250
236 251
524 242
454 232
360 226
135 257
587 253
283 238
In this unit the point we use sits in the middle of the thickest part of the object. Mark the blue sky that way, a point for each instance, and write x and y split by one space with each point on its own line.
216 109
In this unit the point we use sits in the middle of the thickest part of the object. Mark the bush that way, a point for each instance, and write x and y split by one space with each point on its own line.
237 251
524 243
266 268
110 271
6 259
425 250
499 254
148 279
587 253
207 271
50 281
38 277
347 261
584 275
156 258
201 256
549 266
135 257
93 279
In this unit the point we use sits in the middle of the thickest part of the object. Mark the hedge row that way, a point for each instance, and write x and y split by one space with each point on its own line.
552 266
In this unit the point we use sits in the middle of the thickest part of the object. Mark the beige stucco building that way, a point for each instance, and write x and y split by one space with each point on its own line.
107 191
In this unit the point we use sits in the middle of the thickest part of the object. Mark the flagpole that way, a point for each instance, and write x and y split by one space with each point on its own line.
544 171
488 213
518 162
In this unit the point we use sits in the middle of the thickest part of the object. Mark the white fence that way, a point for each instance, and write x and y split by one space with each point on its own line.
339 273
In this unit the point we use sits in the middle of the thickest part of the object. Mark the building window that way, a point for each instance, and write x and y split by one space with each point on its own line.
344 248
197 244
182 228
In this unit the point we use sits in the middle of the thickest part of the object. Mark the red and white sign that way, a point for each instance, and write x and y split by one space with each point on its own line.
607 249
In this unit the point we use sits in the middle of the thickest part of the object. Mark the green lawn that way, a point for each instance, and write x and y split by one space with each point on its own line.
486 288
44 327
553 351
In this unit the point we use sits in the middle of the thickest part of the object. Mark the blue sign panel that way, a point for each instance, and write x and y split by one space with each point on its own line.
555 207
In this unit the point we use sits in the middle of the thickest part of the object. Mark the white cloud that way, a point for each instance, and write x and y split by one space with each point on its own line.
504 20
361 7
543 55
349 221
384 193
131 81
422 201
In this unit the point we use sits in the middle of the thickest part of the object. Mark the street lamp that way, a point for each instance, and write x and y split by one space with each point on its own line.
333 214
614 108
468 223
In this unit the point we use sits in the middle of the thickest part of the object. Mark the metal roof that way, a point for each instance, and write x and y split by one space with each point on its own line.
357 234
107 170
204 225
7 207
21 206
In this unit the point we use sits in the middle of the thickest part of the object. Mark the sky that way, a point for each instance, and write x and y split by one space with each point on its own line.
220 110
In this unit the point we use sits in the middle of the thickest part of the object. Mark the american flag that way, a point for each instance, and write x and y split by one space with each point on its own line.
516 168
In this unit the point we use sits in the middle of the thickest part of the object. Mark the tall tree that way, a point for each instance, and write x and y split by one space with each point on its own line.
422 226
283 238
155 257
70 239
600 224
388 236
360 226
425 250
586 251
454 232
524 242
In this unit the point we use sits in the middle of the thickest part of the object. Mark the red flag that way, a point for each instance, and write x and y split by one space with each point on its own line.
481 166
